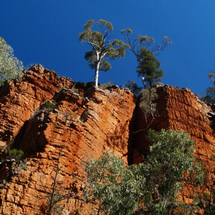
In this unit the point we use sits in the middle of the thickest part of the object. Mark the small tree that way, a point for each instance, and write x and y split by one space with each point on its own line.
149 68
143 49
102 47
210 91
134 87
156 182
170 162
10 66
118 188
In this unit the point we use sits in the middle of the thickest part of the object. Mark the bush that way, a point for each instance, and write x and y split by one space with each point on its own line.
118 188
148 103
10 66
132 85
156 182
169 161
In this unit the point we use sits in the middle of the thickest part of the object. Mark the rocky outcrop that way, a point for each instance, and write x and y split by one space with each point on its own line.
18 101
60 125
178 109
59 129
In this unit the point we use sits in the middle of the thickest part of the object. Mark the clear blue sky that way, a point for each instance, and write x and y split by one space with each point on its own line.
46 32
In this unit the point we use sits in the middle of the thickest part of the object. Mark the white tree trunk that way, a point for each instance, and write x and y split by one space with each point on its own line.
96 75
96 78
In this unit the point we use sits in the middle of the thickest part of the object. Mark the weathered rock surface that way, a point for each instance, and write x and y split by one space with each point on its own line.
68 127
19 100
178 109
60 125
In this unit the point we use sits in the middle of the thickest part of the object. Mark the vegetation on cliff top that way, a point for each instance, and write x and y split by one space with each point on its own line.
102 46
105 48
210 91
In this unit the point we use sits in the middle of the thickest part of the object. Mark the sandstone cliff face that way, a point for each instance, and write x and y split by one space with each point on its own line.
19 100
178 109
69 127
60 125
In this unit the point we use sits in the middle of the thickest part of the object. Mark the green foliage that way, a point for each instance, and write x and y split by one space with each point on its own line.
16 154
12 160
148 103
210 91
102 47
132 85
156 182
205 197
11 154
118 188
92 60
48 76
143 48
61 87
84 115
49 105
10 66
76 90
169 161
148 68
108 84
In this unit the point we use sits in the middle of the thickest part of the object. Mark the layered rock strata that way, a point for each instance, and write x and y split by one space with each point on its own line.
59 129
60 125
177 109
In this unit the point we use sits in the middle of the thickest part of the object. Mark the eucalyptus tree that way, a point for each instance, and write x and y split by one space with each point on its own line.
144 49
10 66
211 90
209 98
120 189
103 47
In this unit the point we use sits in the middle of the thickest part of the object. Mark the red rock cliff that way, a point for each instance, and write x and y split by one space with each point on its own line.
73 126
178 109
58 123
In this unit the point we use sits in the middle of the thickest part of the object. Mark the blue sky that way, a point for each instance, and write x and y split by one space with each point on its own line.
46 32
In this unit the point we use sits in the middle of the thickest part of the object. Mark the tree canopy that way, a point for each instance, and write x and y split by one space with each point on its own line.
148 68
209 98
10 66
103 47
143 49
117 188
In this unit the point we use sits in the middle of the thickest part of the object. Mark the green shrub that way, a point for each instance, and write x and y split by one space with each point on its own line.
75 90
148 103
156 182
132 85
117 188
169 161
49 105
108 84
10 66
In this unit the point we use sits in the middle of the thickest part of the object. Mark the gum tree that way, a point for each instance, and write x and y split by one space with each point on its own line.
118 188
102 47
144 49
10 66
210 91
121 189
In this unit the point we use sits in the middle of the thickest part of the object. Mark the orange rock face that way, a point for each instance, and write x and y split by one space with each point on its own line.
18 101
178 109
69 127
60 125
